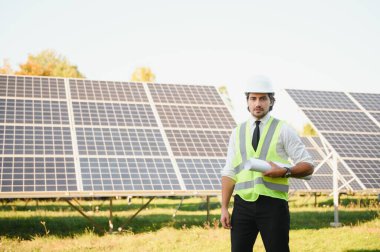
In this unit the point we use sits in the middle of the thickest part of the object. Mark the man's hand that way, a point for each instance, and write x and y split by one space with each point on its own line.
228 185
225 218
275 172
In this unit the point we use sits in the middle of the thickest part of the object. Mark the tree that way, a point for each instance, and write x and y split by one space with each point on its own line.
143 74
225 96
308 130
6 68
49 63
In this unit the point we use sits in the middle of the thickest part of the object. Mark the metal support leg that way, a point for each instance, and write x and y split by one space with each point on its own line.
336 222
26 203
179 205
208 209
96 225
110 219
133 216
76 201
307 198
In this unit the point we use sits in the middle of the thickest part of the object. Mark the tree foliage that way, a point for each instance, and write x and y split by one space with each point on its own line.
6 68
143 74
225 96
308 130
49 63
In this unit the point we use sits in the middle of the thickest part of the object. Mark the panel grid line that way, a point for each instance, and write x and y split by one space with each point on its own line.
73 137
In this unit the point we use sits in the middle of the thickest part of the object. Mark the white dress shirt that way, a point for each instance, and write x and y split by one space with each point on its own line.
289 146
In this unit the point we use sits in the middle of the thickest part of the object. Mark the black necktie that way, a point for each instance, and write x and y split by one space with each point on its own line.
256 136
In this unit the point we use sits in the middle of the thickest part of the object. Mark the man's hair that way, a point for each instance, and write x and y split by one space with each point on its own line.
271 98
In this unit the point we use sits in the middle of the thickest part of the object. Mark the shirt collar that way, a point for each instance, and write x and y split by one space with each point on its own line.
263 120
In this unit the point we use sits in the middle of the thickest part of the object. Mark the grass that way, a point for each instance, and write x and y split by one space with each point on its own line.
55 226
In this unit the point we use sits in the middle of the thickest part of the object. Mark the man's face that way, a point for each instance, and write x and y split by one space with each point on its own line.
258 104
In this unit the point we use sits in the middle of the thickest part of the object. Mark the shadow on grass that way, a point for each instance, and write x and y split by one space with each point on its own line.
317 220
104 206
353 202
29 227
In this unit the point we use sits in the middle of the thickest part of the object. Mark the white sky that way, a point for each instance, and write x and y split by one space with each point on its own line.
322 45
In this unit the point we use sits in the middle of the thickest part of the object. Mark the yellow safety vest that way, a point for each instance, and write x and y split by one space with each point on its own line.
250 184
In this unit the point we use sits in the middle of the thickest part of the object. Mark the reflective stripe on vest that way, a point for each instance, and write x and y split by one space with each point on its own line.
263 154
268 139
260 180
243 149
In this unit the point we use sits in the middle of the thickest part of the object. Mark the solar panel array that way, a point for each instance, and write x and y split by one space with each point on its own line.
350 124
323 174
75 137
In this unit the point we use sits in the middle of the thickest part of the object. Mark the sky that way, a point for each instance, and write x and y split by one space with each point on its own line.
317 45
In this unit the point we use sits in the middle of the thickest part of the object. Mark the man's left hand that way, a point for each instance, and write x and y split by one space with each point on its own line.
275 171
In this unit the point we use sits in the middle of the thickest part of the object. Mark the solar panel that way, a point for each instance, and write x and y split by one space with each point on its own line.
195 117
298 185
35 140
368 101
36 174
346 121
321 182
33 111
201 174
185 94
321 99
349 131
376 116
307 143
198 143
36 87
35 137
197 126
342 170
315 155
113 114
128 174
367 171
107 91
355 145
74 137
119 141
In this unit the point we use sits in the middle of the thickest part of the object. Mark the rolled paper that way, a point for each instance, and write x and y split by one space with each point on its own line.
259 165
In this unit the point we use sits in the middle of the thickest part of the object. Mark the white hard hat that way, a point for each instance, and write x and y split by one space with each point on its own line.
259 84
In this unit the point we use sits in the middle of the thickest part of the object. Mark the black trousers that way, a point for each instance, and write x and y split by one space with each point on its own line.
269 216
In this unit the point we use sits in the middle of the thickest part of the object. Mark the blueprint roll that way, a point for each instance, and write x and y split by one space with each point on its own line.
259 165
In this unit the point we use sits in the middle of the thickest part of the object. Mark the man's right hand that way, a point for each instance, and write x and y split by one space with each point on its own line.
228 185
225 218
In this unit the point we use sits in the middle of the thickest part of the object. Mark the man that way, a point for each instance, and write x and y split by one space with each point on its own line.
261 199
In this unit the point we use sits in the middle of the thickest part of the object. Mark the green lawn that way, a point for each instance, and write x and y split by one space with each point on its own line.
55 226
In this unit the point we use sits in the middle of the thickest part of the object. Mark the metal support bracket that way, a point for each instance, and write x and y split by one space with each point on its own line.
96 225
133 216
